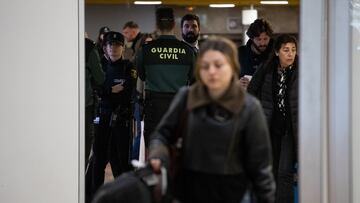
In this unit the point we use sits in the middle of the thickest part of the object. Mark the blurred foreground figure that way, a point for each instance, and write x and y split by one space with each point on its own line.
225 139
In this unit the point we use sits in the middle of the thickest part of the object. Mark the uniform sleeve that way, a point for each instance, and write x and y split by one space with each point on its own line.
258 158
164 134
95 68
140 64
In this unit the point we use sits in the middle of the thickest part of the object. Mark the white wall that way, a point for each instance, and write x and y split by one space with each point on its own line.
313 103
39 118
329 101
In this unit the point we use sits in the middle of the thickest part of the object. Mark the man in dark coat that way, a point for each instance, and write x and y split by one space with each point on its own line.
190 30
256 51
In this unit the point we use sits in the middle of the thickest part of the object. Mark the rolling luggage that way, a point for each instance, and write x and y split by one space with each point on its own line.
140 186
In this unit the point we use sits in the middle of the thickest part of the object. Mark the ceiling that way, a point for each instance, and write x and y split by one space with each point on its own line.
190 2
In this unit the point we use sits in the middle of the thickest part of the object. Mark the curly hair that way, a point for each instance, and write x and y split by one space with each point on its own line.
259 26
188 17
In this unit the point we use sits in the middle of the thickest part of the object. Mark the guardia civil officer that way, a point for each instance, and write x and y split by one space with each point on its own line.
165 64
113 132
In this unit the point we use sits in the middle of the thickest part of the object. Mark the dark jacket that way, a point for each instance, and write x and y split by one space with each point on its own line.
249 60
262 86
224 137
117 72
94 75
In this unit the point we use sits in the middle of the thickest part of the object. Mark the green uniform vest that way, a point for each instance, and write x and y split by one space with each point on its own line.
165 64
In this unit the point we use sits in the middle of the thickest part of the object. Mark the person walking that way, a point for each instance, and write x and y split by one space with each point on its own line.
276 86
225 139
256 51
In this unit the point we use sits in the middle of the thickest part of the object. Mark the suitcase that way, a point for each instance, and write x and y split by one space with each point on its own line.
139 186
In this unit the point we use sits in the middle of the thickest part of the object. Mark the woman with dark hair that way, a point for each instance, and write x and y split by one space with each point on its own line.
276 86
225 140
